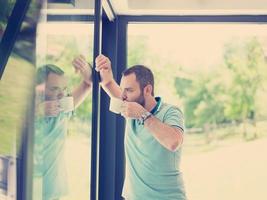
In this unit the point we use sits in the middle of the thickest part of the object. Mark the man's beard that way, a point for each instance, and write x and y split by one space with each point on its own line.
140 99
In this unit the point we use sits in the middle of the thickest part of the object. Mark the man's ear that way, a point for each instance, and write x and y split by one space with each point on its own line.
148 90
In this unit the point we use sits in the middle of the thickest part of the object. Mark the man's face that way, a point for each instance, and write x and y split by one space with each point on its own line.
131 89
55 87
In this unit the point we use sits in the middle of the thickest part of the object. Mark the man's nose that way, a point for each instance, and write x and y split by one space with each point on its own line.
124 96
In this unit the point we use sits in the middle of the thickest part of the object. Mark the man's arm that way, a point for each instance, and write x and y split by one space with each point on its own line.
168 136
82 90
103 66
80 93
112 89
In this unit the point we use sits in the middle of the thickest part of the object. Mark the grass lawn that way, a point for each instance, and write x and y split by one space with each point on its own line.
15 91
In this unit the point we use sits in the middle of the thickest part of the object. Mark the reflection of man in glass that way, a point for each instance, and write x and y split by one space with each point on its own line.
54 106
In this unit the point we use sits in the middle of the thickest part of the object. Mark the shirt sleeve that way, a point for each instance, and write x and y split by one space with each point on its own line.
174 117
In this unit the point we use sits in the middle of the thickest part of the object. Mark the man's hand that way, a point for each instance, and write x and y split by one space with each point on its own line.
83 68
39 93
132 110
103 65
48 109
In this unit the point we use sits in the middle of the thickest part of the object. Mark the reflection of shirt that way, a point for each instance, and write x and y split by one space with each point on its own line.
152 171
49 154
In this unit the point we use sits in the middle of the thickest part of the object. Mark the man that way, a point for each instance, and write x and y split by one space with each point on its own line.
51 119
153 138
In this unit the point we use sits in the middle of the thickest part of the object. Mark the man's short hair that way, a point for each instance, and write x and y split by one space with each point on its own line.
144 76
44 71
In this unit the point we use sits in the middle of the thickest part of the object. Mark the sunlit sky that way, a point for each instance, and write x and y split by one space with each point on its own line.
194 45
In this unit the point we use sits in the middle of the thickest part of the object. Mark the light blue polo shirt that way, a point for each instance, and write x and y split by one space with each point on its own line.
152 171
49 155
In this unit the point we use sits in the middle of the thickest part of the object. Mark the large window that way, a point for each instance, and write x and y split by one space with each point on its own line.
216 73
62 150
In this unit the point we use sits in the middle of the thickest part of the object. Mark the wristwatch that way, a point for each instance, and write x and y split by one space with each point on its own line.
144 117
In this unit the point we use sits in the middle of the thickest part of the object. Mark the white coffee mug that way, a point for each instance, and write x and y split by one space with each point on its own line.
115 105
66 104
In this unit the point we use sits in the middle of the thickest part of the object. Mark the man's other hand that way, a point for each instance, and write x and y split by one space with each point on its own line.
80 65
48 109
103 65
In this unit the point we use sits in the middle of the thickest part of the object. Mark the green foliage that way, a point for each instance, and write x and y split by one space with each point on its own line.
245 60
210 108
182 85
203 101
229 94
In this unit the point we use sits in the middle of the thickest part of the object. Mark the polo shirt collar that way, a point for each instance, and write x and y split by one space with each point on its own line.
157 106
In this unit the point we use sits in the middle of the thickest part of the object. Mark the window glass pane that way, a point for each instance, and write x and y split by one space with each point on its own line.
217 74
63 112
